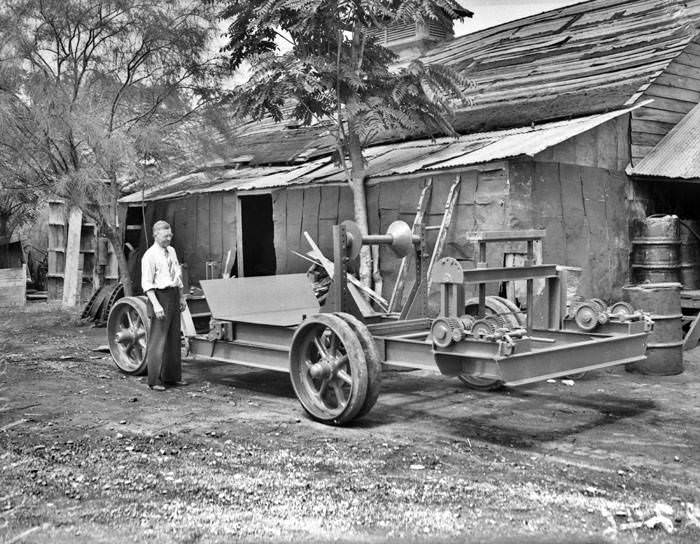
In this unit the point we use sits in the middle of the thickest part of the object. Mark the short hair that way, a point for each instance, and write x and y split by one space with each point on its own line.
160 225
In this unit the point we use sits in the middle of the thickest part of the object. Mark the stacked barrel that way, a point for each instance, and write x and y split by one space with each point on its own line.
657 274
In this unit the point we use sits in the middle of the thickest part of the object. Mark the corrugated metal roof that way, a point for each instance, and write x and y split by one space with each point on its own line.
397 159
580 59
677 156
208 181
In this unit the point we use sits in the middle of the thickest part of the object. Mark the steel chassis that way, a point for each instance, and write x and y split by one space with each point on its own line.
508 357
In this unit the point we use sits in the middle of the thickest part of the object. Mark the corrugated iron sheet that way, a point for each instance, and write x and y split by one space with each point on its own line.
398 159
677 156
576 60
202 182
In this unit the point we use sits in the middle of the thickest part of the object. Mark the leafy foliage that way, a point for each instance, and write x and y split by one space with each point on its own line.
333 67
89 89
336 68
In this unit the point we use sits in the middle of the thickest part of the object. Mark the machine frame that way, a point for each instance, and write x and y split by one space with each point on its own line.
334 356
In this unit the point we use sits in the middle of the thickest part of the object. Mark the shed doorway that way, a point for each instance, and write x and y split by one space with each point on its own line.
257 236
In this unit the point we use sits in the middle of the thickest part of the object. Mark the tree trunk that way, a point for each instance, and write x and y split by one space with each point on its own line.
359 197
114 236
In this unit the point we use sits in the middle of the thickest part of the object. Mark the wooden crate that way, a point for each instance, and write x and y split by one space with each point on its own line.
13 286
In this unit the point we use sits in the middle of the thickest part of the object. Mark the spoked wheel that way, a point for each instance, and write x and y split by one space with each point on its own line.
128 327
374 361
328 369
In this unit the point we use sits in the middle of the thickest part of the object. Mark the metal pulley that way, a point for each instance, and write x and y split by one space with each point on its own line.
398 237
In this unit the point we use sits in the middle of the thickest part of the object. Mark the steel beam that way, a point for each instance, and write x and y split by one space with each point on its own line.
492 275
269 357
505 235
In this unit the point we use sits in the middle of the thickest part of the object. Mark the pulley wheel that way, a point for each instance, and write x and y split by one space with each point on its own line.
586 316
328 369
402 238
354 235
128 328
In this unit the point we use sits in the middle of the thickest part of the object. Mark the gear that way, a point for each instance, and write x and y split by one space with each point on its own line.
586 316
621 309
483 327
602 307
446 330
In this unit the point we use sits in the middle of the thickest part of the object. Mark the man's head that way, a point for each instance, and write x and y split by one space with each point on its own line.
162 233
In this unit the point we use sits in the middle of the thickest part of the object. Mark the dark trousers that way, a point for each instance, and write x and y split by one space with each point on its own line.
163 358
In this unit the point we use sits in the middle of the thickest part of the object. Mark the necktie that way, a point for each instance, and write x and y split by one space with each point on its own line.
171 266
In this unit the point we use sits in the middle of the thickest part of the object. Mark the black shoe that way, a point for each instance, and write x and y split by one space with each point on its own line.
180 383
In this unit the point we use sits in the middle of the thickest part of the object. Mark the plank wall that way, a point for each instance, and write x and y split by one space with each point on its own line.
675 92
481 203
204 228
577 192
307 209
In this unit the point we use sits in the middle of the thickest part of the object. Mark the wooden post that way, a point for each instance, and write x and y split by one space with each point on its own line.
72 275
239 236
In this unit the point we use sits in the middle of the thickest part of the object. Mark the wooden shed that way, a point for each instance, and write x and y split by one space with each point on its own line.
565 101
548 176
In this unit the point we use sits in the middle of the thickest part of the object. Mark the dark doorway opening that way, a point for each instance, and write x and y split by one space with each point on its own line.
258 236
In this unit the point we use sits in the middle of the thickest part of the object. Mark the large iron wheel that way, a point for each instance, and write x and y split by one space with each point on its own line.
128 327
328 369
373 359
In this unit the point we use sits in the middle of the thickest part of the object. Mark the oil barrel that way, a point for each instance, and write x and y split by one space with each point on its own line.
690 254
665 342
656 252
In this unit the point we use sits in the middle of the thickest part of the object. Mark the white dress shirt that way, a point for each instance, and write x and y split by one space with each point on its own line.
160 268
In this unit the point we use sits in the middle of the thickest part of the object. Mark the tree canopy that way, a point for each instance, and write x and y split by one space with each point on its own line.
322 59
90 89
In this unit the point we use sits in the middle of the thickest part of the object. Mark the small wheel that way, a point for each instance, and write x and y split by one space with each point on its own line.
586 316
128 328
328 369
373 359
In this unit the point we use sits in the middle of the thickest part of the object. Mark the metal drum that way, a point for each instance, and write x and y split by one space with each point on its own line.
665 343
656 253
690 254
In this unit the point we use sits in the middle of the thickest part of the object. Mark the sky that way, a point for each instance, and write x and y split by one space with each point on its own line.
494 12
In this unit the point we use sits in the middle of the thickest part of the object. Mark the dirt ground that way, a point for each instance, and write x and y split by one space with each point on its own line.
88 454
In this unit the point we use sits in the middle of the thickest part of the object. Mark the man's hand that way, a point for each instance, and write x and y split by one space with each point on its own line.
158 311
183 304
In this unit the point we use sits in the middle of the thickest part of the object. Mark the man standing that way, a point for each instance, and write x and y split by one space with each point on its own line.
161 280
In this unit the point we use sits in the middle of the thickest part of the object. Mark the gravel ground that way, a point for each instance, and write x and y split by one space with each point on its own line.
90 455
